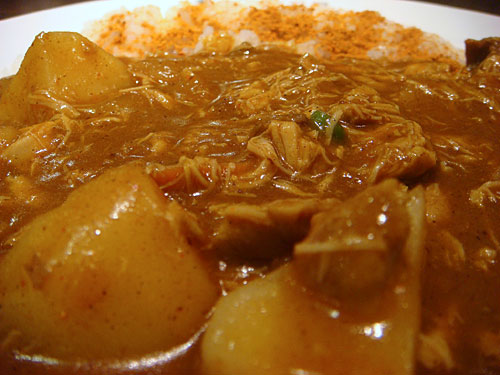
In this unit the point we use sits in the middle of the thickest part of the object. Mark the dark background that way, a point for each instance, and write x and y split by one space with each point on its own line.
10 8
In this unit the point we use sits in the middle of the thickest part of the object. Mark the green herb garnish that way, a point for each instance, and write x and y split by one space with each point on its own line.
338 132
320 119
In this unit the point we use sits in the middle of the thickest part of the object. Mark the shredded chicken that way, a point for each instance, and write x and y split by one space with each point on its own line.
152 95
261 176
433 70
434 351
286 87
403 152
291 188
363 104
458 149
207 174
193 174
44 98
452 250
286 146
487 191
398 145
257 97
36 139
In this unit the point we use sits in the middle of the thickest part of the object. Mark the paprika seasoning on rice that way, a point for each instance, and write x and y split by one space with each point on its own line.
326 32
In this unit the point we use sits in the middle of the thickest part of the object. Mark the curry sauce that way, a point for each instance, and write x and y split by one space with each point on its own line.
331 216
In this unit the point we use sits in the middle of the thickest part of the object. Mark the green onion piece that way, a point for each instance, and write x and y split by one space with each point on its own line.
338 132
320 119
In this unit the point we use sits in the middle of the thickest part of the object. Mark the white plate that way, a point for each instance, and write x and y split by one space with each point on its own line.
454 25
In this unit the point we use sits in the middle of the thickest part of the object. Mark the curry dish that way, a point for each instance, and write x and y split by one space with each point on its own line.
251 211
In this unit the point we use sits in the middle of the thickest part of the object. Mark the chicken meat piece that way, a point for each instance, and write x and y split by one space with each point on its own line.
264 231
362 246
286 146
401 151
388 144
482 53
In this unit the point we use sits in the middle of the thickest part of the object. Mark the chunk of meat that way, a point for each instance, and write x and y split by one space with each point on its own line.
435 343
478 52
401 151
434 351
36 141
264 231
276 326
360 247
438 209
108 274
378 132
257 97
23 190
452 250
286 146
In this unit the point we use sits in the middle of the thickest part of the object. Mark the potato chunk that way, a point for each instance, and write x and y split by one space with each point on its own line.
271 326
297 321
61 67
108 274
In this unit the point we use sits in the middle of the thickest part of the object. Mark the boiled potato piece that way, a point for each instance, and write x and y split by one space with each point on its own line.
66 66
274 326
320 314
108 274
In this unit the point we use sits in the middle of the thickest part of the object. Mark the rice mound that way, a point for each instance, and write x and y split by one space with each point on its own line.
223 24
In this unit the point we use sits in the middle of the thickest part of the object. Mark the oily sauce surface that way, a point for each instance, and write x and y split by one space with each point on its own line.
203 110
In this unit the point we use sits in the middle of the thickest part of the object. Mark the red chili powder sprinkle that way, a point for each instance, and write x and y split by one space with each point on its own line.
337 34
